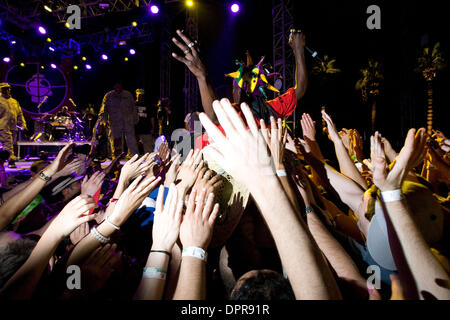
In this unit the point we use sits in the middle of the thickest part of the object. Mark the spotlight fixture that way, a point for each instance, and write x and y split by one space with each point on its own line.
122 42
154 9
53 66
22 64
134 23
7 59
42 67
235 7
132 52
75 67
49 40
13 42
42 30
51 49
88 66
84 58
46 7
104 57
67 25
125 59
189 3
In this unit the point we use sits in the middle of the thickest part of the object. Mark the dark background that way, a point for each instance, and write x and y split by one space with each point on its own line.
335 28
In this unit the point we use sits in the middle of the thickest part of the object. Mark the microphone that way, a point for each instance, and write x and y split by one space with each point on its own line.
73 103
42 102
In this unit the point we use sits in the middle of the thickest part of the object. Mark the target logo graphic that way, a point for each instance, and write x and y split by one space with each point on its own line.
31 84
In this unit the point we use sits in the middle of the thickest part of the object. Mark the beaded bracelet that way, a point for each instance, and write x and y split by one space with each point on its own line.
102 239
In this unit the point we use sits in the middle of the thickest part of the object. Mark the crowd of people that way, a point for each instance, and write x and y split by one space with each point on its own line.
247 212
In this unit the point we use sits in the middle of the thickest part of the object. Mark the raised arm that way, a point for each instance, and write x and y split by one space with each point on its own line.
243 154
19 201
23 283
297 42
346 164
166 228
195 234
194 63
425 269
128 202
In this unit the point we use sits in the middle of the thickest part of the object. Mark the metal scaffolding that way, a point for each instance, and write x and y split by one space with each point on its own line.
165 59
191 90
26 15
283 57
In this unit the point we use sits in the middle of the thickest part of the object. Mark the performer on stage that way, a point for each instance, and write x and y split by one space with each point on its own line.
119 112
146 127
250 82
11 120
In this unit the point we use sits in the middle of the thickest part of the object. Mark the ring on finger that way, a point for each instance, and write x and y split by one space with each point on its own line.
190 45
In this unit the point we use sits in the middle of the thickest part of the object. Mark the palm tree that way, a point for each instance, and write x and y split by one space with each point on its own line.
429 63
324 71
369 85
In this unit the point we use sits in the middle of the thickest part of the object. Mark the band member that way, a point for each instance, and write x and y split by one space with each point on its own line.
145 128
118 111
11 119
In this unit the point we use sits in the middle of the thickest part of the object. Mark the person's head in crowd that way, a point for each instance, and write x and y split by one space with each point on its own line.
14 251
66 188
262 285
118 86
190 120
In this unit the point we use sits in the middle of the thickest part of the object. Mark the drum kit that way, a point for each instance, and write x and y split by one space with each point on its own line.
64 126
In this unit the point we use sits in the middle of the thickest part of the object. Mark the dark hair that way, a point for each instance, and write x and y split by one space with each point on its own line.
35 167
13 256
265 285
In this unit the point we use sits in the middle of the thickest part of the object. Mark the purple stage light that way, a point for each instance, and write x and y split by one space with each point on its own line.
53 66
132 51
88 66
104 57
234 8
154 9
13 42
42 30
51 49
7 59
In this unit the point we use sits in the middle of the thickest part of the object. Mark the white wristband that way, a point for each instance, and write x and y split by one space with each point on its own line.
154 273
111 224
195 252
102 239
281 173
392 195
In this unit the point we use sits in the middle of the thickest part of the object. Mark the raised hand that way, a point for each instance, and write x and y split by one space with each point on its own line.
190 55
134 168
198 222
207 180
409 157
189 169
308 127
331 127
297 41
132 198
276 140
97 269
172 172
79 233
167 220
91 185
60 160
242 153
73 215
71 167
